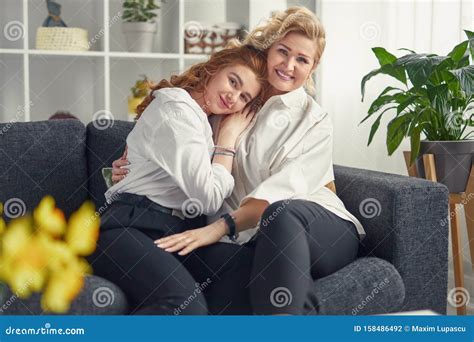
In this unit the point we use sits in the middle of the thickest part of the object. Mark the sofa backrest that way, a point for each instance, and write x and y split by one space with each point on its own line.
105 143
41 158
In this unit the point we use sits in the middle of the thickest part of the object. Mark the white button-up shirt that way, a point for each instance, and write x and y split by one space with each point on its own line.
286 154
170 150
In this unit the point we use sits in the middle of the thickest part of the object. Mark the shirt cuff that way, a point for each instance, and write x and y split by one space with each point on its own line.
227 180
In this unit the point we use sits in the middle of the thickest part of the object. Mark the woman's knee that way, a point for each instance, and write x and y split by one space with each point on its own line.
281 214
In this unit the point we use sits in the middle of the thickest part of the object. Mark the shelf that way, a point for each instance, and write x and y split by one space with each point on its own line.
195 56
124 73
165 41
144 55
84 82
12 51
74 85
66 53
88 15
11 89
12 25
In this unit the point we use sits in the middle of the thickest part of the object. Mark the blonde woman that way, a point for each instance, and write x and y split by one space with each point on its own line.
282 170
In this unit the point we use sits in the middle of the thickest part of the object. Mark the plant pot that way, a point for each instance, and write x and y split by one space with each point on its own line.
139 36
452 160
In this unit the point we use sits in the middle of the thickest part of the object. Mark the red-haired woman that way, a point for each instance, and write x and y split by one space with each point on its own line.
176 174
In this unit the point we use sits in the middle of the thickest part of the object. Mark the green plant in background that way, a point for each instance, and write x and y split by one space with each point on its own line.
139 10
437 100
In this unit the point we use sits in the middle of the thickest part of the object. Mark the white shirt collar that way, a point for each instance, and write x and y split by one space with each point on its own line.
298 98
294 98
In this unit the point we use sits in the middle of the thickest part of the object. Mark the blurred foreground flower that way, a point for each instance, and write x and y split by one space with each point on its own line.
45 253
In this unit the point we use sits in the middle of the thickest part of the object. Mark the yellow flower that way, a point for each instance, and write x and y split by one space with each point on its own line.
63 286
49 218
23 260
17 236
83 229
2 222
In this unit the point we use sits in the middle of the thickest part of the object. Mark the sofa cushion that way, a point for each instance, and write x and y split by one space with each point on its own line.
366 286
97 297
40 158
104 145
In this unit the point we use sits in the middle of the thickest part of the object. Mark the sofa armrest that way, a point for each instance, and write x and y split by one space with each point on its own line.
406 224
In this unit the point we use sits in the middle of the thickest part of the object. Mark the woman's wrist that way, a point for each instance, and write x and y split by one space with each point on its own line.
222 227
227 140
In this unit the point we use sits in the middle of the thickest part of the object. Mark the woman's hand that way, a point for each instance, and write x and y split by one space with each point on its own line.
233 125
190 240
118 170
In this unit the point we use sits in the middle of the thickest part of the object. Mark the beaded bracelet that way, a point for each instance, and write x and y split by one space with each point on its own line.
226 149
229 154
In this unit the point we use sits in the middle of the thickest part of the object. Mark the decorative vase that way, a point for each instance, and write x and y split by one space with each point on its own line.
139 36
452 160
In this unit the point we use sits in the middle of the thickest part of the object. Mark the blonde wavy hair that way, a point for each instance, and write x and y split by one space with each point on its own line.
294 19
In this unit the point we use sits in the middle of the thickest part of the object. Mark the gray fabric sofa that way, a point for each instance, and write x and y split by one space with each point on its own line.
403 262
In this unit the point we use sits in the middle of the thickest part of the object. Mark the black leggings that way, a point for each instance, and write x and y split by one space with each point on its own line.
162 283
298 241
154 281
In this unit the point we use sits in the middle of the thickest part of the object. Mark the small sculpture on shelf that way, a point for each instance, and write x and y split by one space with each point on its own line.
140 90
54 15
55 35
202 38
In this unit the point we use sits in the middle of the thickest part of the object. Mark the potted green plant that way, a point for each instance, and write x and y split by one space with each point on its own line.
436 102
139 25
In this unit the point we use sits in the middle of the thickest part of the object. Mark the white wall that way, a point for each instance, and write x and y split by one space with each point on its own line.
353 28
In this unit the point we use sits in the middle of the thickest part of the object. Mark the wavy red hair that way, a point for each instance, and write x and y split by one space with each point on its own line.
197 77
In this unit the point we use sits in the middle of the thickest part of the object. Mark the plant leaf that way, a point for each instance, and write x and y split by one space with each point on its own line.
396 130
405 49
465 76
419 66
415 144
374 128
438 97
458 52
388 69
470 37
383 56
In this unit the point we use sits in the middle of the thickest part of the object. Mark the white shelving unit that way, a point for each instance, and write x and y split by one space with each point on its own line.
36 83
